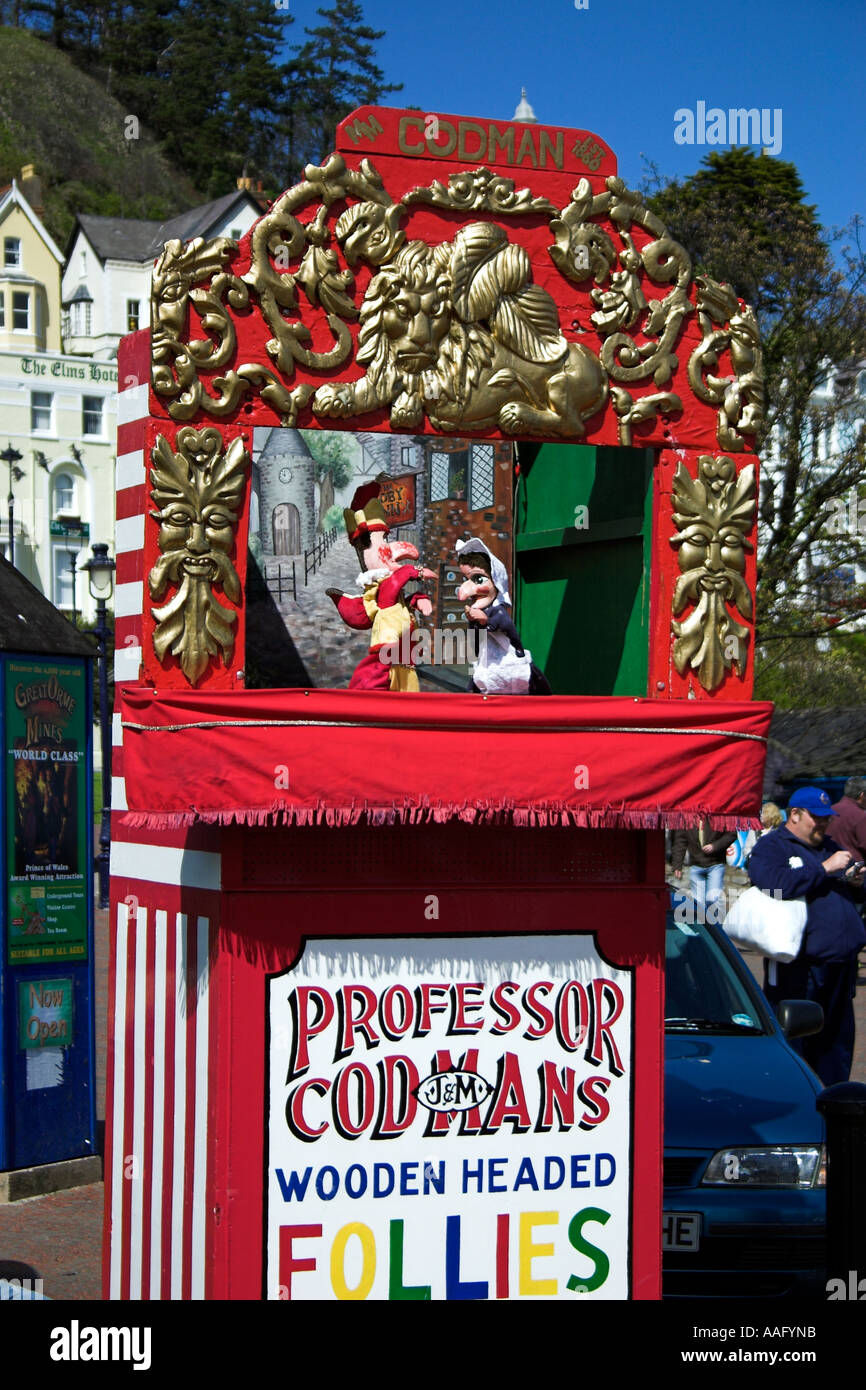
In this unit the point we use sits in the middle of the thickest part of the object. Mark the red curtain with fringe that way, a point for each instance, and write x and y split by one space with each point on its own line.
338 756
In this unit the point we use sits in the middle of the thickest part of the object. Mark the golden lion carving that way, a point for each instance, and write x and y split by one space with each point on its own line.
457 331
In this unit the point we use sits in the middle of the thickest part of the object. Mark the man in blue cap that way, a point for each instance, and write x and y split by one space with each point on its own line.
799 860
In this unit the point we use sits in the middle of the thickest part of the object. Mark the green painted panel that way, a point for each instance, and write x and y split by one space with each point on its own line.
583 576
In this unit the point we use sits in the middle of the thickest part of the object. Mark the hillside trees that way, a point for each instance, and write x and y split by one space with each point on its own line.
56 116
214 80
72 27
206 77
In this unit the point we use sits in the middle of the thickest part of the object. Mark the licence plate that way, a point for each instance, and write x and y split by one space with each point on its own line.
681 1230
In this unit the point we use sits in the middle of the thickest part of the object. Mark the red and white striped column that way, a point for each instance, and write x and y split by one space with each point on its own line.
164 906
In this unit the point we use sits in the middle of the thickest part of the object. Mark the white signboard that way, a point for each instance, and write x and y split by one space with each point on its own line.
449 1118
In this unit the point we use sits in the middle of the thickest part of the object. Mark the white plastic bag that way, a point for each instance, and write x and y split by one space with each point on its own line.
773 926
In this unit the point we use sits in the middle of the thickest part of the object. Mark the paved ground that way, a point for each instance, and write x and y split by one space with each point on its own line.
59 1237
328 648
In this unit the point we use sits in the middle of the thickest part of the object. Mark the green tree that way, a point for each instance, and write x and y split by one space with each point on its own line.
332 456
207 78
255 88
744 219
137 35
736 216
328 76
75 28
807 673
60 118
211 80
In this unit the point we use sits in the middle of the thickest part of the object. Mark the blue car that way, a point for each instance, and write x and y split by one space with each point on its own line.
744 1156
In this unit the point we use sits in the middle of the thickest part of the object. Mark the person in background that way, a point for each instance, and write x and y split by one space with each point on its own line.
849 829
771 816
707 851
799 860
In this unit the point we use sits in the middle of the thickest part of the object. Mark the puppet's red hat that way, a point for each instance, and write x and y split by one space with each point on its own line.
365 514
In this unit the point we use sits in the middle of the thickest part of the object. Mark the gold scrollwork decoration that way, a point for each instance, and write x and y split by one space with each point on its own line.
176 362
714 514
480 344
583 249
479 190
621 303
280 238
198 490
740 397
633 410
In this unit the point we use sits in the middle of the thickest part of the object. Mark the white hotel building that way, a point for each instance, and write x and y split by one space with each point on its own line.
58 408
57 413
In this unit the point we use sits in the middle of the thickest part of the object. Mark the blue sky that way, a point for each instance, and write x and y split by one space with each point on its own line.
623 67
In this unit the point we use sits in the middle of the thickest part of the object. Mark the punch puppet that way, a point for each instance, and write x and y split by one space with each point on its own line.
504 667
388 605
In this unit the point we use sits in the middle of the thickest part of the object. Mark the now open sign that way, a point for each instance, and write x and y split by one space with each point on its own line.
44 1013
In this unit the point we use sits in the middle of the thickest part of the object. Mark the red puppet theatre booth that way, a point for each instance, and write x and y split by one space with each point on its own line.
435 531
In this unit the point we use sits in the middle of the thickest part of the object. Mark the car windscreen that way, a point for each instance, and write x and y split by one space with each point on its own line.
703 992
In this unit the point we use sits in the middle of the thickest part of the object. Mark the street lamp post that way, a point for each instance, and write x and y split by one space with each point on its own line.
72 569
100 575
12 457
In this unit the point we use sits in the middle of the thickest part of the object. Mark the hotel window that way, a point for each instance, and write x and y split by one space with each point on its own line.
11 251
92 415
41 403
81 318
64 578
64 493
133 307
21 311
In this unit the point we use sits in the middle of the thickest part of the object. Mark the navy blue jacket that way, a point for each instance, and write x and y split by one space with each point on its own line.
834 927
